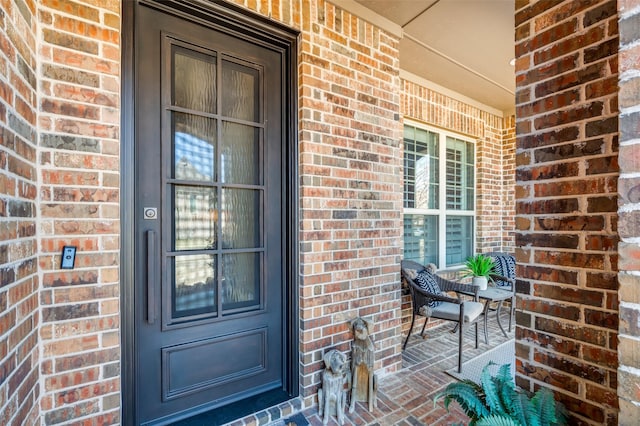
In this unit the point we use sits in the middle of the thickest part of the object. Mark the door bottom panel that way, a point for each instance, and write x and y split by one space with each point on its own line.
197 366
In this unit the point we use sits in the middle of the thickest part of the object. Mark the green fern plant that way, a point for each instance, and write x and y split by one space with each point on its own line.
497 402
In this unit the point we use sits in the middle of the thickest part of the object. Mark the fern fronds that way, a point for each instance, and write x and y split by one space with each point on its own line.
545 406
561 414
468 394
508 394
491 387
522 409
497 401
531 414
497 420
504 375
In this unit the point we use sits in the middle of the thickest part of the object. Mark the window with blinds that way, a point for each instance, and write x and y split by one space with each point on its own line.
439 196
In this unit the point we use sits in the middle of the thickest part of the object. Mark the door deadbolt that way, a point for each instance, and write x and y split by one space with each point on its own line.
150 213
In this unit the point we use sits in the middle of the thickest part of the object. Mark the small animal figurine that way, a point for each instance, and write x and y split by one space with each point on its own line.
332 398
364 384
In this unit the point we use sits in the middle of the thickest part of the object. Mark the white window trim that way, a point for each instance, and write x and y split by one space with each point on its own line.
442 196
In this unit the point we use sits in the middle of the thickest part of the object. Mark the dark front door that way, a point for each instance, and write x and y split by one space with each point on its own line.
208 235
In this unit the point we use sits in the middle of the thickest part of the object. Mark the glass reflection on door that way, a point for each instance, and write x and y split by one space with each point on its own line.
194 147
195 216
215 187
195 87
240 288
194 292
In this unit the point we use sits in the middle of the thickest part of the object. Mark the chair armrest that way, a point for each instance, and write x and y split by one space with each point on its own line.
511 281
410 264
422 297
501 278
443 297
448 285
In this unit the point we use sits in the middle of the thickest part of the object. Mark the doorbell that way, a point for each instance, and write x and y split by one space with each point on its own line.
68 257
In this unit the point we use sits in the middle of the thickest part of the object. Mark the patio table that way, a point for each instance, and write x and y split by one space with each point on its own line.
489 296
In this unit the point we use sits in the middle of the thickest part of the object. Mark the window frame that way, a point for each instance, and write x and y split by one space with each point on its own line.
442 211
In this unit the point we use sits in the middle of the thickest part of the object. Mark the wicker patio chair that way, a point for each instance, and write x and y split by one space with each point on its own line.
434 301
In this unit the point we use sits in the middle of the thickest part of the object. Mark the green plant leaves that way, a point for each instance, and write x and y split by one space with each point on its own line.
498 402
497 420
490 388
479 265
466 393
544 406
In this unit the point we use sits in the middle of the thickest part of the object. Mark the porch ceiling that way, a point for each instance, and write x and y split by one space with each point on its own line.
463 45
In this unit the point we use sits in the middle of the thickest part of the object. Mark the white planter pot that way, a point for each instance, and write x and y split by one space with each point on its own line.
480 282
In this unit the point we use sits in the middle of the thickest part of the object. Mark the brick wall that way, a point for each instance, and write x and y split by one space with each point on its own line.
495 177
19 316
79 118
350 182
566 221
351 193
59 118
508 180
629 213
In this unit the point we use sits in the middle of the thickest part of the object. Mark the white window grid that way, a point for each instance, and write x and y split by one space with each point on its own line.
447 199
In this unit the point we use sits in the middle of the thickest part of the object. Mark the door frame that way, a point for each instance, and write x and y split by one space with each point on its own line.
234 20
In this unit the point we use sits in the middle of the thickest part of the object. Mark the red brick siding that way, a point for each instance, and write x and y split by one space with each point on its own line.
79 205
495 148
629 218
566 202
508 199
350 182
19 281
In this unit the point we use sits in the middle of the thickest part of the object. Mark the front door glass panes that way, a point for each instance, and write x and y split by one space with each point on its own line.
195 218
194 292
240 92
194 147
240 152
240 287
240 219
196 85
214 187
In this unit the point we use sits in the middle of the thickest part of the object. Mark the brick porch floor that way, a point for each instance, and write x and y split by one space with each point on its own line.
406 397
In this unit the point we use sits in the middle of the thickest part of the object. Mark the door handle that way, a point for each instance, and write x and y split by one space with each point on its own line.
151 277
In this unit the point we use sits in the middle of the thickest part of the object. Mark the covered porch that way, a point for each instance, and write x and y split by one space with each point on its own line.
551 178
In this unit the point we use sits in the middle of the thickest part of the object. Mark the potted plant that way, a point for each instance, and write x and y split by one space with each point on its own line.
480 267
496 401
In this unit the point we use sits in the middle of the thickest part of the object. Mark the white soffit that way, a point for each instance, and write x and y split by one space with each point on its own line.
462 45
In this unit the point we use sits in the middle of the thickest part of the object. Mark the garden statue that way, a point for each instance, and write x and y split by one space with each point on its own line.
332 398
363 381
